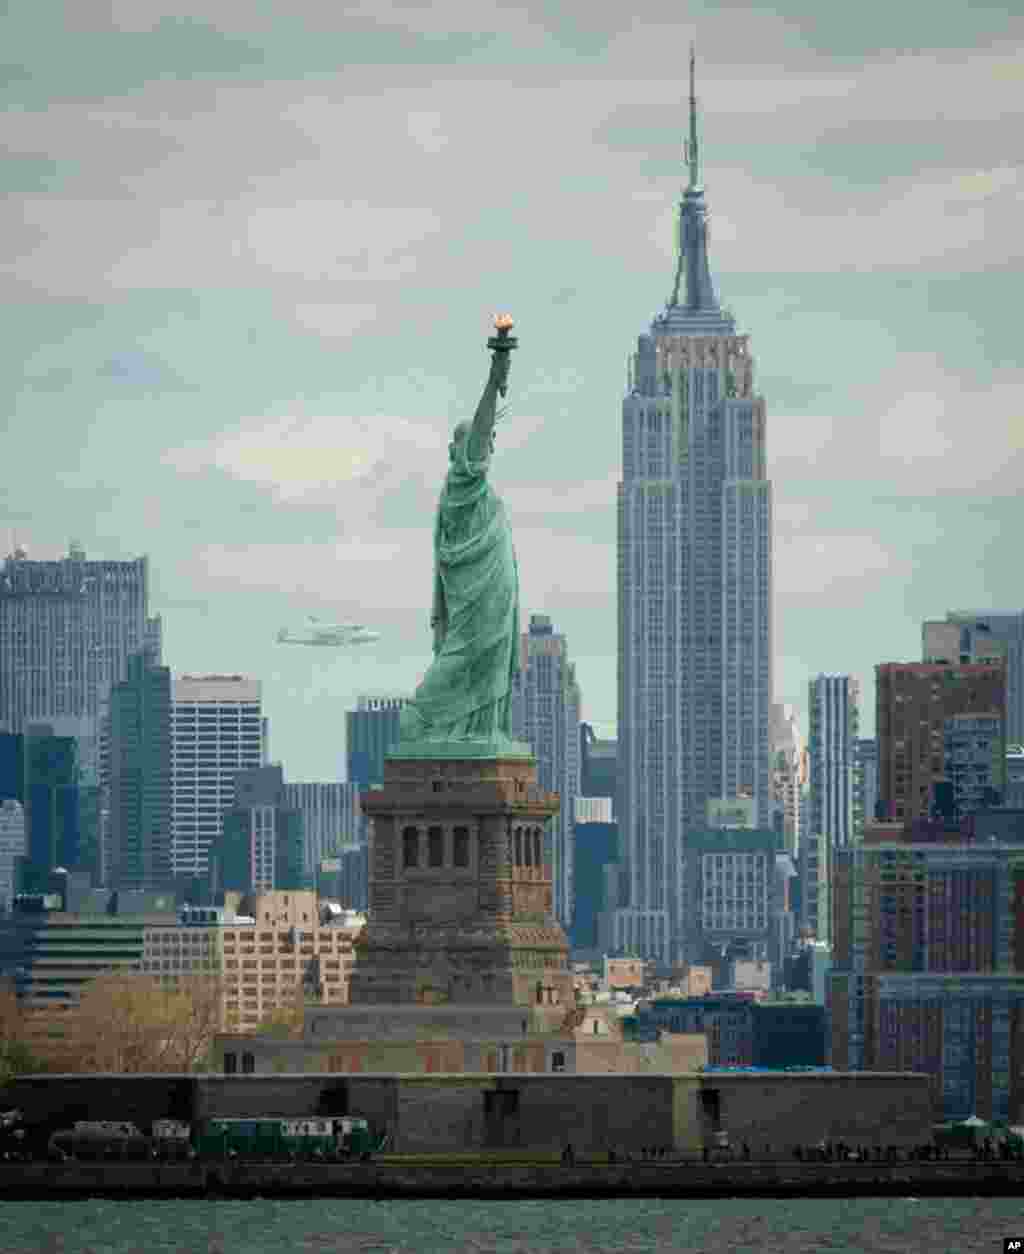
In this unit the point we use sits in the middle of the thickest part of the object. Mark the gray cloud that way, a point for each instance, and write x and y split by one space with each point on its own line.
251 254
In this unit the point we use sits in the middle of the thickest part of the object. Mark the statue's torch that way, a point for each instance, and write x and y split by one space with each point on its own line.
502 342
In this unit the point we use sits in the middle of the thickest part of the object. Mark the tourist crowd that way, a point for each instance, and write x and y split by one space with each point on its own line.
988 1150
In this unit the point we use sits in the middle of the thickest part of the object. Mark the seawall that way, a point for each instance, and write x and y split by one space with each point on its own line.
391 1178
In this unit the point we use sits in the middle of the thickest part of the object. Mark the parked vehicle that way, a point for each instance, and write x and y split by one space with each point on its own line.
307 1137
172 1140
96 1140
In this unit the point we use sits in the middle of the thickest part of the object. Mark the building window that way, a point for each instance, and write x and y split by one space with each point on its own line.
230 1063
460 849
558 1061
410 847
435 846
248 1063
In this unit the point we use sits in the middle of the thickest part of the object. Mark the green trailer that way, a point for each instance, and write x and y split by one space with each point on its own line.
310 1136
241 1138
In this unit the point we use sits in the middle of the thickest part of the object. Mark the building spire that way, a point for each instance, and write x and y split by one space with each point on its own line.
692 150
693 273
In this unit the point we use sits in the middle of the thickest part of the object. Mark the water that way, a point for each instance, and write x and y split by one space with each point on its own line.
747 1226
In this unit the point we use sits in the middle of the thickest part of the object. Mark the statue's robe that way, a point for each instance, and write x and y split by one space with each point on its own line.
466 692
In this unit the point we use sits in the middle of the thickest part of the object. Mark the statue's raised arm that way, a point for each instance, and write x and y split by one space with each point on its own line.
482 428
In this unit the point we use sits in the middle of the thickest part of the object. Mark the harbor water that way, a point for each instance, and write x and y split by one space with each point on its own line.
606 1226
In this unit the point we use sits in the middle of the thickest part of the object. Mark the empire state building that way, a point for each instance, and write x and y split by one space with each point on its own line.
695 589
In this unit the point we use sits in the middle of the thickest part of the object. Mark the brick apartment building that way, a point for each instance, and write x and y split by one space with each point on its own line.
914 701
929 967
267 958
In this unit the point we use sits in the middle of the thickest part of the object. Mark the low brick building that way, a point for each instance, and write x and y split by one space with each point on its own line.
456 1039
740 1030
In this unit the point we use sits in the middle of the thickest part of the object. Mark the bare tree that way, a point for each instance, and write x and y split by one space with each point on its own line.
204 1016
130 1022
18 1054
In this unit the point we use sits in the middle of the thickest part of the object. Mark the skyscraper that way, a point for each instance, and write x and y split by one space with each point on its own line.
261 847
67 629
140 783
370 730
974 761
982 627
53 836
218 731
12 847
695 551
731 891
913 700
865 785
44 772
344 879
154 647
331 819
833 704
599 774
815 866
546 715
788 770
595 849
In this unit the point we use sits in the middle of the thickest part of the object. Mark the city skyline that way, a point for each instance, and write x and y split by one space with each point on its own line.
244 377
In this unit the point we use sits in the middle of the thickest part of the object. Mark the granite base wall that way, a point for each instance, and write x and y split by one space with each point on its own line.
784 1111
244 1097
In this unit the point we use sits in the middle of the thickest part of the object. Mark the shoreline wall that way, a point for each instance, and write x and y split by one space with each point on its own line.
533 1113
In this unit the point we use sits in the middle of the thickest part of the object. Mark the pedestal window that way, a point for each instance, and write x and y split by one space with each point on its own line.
460 847
410 847
435 846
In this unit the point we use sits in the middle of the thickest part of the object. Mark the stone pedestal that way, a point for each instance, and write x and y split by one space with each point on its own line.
460 895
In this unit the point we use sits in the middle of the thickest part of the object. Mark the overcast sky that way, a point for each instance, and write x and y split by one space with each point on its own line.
251 250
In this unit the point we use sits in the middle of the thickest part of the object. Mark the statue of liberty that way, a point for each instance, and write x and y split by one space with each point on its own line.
465 695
